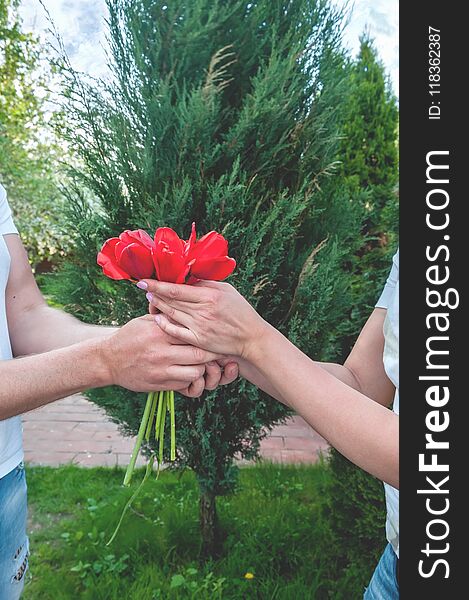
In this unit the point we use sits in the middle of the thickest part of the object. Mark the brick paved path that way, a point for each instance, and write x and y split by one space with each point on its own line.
74 430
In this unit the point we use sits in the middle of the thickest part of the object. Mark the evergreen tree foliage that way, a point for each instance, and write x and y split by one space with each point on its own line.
369 150
28 150
225 113
369 163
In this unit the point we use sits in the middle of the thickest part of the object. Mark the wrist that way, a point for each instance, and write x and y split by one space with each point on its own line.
255 349
97 332
100 357
105 332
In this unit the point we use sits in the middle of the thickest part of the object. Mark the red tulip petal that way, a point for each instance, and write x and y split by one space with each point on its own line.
155 252
215 269
114 272
107 250
125 237
139 236
154 258
191 241
181 278
171 238
107 260
170 266
137 261
118 249
211 245
185 272
144 238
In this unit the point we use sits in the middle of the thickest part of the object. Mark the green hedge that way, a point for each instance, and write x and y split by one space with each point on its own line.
353 508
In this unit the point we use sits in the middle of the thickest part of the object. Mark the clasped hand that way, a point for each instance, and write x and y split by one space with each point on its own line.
144 358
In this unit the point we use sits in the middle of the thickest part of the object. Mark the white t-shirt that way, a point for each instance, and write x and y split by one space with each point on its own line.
389 299
11 435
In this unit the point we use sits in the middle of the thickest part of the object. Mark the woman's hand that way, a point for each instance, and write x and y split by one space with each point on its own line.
211 315
220 372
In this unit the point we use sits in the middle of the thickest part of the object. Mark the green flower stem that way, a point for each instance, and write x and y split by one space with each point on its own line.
138 443
162 424
133 496
155 412
151 418
158 415
173 425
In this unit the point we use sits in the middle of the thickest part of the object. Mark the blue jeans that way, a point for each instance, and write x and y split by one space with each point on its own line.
383 584
14 545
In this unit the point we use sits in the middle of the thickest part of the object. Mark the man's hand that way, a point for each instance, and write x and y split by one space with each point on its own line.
221 372
142 358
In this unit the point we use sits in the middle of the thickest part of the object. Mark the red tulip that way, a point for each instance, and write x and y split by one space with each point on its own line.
210 256
128 257
134 255
168 256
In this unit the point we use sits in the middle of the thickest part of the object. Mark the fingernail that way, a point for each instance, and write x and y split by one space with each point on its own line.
212 363
158 319
149 296
143 285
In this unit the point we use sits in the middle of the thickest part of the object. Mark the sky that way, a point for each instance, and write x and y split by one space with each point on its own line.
82 28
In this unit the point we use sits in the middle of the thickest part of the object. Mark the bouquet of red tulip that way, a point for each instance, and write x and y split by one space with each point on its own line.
134 255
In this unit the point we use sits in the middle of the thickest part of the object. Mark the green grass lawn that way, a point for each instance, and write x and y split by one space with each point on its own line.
272 527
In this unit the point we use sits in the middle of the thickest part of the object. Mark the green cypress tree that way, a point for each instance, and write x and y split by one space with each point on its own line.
226 113
369 162
369 150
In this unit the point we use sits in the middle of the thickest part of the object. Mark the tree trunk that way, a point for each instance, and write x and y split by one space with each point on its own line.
209 528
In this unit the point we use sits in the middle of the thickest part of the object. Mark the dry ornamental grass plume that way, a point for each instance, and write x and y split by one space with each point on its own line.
217 74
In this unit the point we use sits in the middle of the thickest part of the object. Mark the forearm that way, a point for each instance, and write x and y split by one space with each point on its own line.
32 381
342 373
252 374
362 430
34 327
42 329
